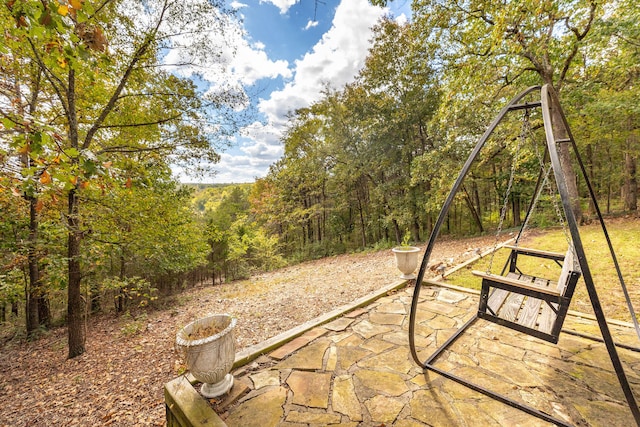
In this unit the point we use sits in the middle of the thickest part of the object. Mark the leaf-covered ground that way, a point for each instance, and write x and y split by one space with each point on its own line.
119 380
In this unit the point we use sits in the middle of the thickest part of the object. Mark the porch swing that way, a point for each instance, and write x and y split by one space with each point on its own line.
516 299
525 302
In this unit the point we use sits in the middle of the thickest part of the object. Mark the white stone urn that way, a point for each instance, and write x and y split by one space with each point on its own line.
209 358
406 260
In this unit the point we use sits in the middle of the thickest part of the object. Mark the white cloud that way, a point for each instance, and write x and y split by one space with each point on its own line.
283 5
251 63
232 62
232 168
257 148
263 144
263 153
311 24
262 132
237 5
401 19
241 168
334 60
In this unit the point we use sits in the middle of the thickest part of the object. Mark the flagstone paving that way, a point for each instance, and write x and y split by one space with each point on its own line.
357 371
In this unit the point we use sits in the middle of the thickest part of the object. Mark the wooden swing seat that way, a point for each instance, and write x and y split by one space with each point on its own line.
532 305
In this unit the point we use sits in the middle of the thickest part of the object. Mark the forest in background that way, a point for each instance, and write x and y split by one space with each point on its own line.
92 220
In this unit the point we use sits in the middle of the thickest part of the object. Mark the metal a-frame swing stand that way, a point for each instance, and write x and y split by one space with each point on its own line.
553 118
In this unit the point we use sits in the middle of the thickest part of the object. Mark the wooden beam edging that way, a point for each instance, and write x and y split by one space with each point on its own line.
186 408
438 282
476 258
251 353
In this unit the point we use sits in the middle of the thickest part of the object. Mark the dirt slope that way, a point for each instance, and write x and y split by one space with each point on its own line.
119 380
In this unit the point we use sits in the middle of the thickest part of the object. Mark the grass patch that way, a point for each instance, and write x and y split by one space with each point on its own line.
624 233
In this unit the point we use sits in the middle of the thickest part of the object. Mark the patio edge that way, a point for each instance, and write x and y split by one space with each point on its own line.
185 407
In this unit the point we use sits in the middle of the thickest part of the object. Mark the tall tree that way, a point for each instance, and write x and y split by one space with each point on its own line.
487 46
346 175
142 230
22 93
611 91
403 96
102 61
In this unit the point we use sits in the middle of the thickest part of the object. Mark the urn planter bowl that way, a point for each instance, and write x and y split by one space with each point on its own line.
208 348
406 260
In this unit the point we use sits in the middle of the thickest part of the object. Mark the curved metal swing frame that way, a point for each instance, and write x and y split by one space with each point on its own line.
548 103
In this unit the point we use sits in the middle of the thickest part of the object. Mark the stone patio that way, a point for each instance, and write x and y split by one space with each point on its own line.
357 371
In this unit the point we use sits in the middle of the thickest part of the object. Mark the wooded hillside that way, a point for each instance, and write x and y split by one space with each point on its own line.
93 221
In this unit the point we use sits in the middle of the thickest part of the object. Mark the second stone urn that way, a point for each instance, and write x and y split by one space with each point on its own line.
406 260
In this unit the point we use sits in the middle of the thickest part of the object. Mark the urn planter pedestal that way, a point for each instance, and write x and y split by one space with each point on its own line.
209 358
406 260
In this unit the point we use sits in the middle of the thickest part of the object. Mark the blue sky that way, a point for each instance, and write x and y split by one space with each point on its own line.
285 52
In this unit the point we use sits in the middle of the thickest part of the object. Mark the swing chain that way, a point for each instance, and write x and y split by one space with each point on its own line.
505 204
552 194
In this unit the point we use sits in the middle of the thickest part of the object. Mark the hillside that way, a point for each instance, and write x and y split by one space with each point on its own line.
119 380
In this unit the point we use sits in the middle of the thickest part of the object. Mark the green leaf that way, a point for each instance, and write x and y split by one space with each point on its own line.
36 144
81 16
36 31
8 124
89 168
83 53
88 8
72 152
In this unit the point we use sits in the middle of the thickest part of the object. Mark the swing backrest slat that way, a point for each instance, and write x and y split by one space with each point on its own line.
568 266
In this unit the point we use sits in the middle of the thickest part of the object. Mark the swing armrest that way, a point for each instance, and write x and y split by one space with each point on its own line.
537 252
515 283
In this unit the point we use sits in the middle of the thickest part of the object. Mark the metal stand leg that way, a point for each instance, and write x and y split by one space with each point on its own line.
548 102
428 365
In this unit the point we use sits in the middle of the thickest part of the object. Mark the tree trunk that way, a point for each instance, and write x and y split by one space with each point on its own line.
96 298
564 154
474 213
630 180
44 310
75 306
121 299
31 311
417 236
609 185
323 231
476 198
396 229
34 292
32 296
592 177
363 227
515 209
